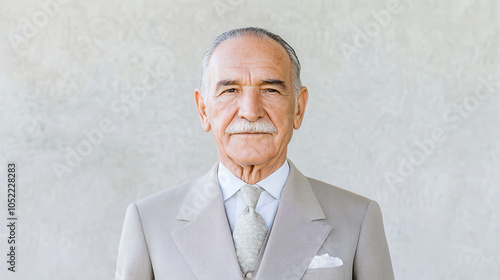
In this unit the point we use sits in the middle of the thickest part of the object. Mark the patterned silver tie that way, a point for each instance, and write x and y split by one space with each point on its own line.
250 229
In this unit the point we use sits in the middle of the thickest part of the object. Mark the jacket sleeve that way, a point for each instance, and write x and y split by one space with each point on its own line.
133 262
372 259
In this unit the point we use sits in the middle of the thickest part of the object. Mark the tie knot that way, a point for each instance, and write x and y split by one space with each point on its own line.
250 195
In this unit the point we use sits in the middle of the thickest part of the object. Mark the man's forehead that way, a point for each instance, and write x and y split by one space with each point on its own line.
250 49
250 53
236 68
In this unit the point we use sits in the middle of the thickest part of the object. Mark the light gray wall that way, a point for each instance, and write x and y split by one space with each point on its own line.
416 74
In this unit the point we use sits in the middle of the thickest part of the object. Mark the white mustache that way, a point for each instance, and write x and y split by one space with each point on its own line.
260 126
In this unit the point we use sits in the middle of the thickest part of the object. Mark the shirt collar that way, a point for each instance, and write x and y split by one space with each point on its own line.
273 184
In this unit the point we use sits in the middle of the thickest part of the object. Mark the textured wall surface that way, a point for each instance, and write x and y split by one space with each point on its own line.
97 111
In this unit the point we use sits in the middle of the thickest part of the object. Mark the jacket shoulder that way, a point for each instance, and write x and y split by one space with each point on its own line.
340 202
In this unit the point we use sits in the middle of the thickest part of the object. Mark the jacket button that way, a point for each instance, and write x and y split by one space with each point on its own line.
249 275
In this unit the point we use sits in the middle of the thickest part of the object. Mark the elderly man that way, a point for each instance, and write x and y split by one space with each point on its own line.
253 215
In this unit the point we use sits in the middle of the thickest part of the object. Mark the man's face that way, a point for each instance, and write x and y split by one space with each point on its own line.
250 82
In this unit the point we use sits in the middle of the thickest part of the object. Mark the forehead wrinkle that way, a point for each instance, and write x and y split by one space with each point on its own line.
236 74
237 65
242 57
246 51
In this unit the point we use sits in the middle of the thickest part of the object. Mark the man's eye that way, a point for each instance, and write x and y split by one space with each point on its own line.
270 90
230 90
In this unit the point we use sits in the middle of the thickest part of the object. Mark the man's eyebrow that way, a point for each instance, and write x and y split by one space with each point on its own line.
277 82
223 83
273 82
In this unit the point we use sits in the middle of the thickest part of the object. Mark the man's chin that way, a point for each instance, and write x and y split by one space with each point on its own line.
248 159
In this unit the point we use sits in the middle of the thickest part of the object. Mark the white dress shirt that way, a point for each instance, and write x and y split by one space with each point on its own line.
268 200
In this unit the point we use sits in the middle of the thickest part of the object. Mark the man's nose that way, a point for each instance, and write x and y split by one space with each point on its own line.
250 104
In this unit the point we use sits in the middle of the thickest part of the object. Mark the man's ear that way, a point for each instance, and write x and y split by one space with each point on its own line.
300 108
202 110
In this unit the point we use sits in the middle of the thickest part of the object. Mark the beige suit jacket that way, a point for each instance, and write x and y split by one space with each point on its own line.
183 233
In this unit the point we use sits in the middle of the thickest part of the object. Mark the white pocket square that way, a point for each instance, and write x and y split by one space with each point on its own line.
325 261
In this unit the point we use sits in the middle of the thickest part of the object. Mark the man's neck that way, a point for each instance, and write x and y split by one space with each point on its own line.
252 174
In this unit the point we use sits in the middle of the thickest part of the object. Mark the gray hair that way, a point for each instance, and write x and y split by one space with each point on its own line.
251 31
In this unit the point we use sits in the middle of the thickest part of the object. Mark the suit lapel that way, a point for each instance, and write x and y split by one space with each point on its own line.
297 232
206 241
